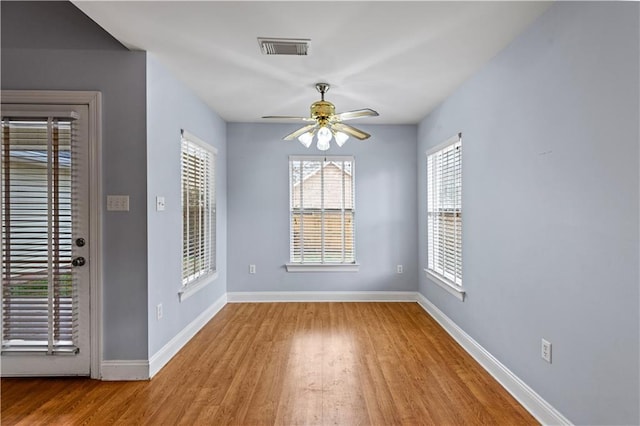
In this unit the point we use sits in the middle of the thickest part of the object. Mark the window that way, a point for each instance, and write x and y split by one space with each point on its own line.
321 206
444 215
198 214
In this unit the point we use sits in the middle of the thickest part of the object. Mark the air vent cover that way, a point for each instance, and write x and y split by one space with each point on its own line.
284 46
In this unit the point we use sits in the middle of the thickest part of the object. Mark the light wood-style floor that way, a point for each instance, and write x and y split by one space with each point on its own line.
290 364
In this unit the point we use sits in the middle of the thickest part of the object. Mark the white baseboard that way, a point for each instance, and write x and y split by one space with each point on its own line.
168 351
530 400
116 370
321 296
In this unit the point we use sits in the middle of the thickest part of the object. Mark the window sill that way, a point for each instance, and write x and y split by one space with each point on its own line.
191 289
322 267
452 289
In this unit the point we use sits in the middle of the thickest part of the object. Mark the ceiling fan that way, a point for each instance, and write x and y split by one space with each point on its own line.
325 123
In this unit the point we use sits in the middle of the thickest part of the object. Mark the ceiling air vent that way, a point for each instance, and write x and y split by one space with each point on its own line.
284 46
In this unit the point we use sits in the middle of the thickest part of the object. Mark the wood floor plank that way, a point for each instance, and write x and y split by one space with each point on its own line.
267 394
388 344
301 398
381 407
286 364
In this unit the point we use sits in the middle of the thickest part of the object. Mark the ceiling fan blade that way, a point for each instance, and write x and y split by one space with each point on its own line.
289 117
300 131
350 115
350 130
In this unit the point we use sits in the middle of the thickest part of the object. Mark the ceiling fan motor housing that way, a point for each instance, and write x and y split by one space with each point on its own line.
322 110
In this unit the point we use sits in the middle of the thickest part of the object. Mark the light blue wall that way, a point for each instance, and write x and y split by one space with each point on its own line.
550 199
258 188
171 107
54 46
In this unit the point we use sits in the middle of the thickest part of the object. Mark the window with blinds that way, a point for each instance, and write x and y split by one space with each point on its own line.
444 212
198 210
321 210
39 286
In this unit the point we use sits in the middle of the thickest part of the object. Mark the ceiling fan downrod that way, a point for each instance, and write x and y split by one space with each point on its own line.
322 88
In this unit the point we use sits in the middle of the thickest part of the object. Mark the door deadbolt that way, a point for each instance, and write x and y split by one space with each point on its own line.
80 242
78 261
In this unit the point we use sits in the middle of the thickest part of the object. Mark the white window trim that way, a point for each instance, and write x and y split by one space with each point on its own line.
188 290
447 285
450 287
191 289
322 267
325 267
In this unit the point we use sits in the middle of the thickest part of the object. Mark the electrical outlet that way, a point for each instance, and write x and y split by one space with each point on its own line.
546 351
252 269
399 269
159 312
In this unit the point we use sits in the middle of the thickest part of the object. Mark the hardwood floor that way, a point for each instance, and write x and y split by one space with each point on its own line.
290 364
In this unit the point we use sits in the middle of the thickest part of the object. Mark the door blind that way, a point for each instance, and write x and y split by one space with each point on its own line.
444 212
198 211
321 210
39 287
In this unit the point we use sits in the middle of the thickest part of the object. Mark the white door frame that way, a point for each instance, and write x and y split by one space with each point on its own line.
94 101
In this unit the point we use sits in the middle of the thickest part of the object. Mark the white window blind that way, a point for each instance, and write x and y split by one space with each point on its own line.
321 210
198 210
444 211
39 286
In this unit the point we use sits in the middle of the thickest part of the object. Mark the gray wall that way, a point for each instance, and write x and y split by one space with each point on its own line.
258 188
53 46
550 199
171 107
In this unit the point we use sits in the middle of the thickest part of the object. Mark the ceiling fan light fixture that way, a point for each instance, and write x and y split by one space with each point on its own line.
324 137
306 139
323 144
324 134
340 138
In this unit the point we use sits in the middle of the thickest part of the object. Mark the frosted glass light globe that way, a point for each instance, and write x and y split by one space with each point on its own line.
306 139
323 144
324 136
341 138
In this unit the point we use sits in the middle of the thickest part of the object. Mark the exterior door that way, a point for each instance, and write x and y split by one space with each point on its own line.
45 245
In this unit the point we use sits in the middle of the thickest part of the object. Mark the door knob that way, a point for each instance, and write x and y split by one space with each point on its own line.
80 242
78 261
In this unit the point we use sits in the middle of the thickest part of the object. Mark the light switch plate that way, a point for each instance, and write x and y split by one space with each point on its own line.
160 205
545 350
118 203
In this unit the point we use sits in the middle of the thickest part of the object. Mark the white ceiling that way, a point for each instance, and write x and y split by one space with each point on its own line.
400 58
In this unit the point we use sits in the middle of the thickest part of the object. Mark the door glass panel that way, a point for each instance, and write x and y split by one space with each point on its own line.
39 292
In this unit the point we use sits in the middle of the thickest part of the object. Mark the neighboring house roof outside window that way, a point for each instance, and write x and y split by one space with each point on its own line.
333 187
310 168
